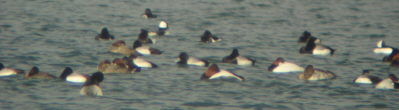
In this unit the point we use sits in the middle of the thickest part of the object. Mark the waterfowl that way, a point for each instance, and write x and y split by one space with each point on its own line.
382 48
214 72
389 83
188 60
104 35
143 37
207 37
162 29
9 71
316 74
316 49
145 50
395 62
281 66
305 37
92 85
365 78
148 14
141 62
35 73
70 76
392 56
238 59
117 66
121 47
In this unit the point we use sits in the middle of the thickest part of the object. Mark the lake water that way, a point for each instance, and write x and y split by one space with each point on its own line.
54 34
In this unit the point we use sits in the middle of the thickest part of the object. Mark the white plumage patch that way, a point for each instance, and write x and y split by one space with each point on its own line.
163 24
363 80
287 67
144 50
195 61
321 50
224 73
385 84
142 63
241 60
383 50
7 72
93 90
76 77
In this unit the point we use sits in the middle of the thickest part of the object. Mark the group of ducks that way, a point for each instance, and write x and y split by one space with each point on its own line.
133 62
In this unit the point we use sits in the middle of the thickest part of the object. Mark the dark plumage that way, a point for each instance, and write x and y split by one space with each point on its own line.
305 37
144 50
207 37
104 35
148 14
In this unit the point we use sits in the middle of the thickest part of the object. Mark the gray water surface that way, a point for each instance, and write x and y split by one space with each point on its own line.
54 34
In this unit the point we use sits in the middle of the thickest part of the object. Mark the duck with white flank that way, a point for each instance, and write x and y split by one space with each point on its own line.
162 29
365 78
207 37
392 56
315 74
389 83
104 35
382 48
238 59
305 37
9 71
117 66
121 47
145 50
92 86
148 14
213 72
184 59
70 76
143 37
140 62
316 49
35 73
281 66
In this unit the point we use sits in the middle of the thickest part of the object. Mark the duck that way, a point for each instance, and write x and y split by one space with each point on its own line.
184 59
117 66
35 73
145 50
392 56
305 37
382 48
140 62
120 47
238 59
162 29
213 72
395 62
148 14
91 87
281 66
207 37
9 71
389 83
70 76
315 74
365 78
104 35
143 37
316 49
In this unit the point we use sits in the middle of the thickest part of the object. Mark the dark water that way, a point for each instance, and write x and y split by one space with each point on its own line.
55 34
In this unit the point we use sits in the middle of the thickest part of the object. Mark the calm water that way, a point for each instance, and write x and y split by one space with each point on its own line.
55 34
